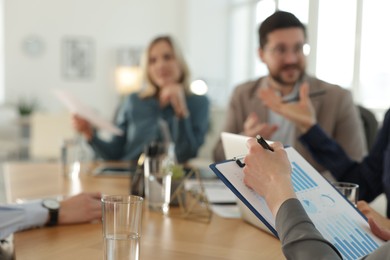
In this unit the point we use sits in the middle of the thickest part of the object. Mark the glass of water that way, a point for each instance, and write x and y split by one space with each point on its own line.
122 215
158 176
157 184
349 190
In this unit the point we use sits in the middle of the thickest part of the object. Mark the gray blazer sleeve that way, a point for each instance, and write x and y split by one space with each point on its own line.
298 235
301 240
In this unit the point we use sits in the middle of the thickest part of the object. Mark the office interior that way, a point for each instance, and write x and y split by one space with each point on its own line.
218 39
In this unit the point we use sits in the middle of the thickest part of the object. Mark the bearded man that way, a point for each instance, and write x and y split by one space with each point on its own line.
282 39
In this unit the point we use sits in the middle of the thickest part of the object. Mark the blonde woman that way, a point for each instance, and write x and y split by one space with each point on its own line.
165 97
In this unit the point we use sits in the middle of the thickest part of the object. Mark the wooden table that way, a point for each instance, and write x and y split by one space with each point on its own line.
163 237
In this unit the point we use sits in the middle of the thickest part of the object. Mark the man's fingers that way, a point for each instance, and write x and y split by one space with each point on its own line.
251 120
379 231
304 93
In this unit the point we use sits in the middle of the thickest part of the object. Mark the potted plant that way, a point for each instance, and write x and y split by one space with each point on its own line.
177 178
26 107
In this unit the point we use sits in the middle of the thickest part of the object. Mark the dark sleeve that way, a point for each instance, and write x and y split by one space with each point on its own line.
298 235
326 151
193 129
368 173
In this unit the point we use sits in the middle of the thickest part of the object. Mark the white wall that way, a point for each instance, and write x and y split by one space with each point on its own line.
199 26
207 40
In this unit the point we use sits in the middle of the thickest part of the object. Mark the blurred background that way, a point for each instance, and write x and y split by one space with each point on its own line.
90 48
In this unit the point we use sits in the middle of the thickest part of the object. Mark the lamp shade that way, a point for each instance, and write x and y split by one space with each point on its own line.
128 79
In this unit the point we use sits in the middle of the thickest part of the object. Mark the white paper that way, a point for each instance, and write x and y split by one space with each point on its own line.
216 191
222 200
75 106
336 219
234 145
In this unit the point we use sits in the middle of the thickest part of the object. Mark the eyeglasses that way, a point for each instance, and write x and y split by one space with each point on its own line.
280 51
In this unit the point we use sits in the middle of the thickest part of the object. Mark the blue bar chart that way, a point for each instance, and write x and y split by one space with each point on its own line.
346 235
301 181
350 239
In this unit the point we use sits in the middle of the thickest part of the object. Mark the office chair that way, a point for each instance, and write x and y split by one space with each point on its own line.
370 125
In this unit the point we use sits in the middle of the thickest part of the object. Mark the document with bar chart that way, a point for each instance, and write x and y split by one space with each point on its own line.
334 216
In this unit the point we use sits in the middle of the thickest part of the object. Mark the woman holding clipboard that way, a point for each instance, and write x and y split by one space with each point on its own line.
268 173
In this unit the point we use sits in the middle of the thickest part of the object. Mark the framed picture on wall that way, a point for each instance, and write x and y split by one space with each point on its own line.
77 58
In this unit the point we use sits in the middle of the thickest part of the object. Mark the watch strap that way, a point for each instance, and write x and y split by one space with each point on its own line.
53 211
53 217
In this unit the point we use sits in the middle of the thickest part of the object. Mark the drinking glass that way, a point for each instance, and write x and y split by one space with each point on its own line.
349 190
157 184
122 216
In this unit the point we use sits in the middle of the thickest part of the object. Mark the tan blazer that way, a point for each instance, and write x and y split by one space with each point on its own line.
335 110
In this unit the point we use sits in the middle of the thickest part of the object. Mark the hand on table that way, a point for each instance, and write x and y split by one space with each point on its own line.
379 231
379 224
84 207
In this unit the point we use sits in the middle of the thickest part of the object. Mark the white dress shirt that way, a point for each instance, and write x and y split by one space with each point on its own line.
16 217
286 129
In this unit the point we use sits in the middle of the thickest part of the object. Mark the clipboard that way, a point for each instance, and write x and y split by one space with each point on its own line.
340 222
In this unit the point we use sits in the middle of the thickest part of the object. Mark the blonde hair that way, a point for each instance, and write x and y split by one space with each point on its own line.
149 88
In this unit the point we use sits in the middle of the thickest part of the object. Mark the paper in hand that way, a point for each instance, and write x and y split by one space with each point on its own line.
75 106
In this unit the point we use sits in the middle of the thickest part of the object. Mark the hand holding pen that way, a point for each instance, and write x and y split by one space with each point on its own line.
268 173
260 140
263 143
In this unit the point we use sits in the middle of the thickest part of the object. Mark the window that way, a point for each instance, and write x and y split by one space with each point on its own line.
2 57
240 47
374 80
336 41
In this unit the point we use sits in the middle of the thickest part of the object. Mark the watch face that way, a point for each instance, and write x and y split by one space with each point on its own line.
51 204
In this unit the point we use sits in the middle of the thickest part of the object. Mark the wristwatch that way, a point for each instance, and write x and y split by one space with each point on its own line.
54 207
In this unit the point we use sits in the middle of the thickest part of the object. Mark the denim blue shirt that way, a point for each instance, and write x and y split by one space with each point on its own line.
372 174
139 120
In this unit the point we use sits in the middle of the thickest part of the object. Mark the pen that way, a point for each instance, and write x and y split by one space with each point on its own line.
313 94
223 203
239 162
263 143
